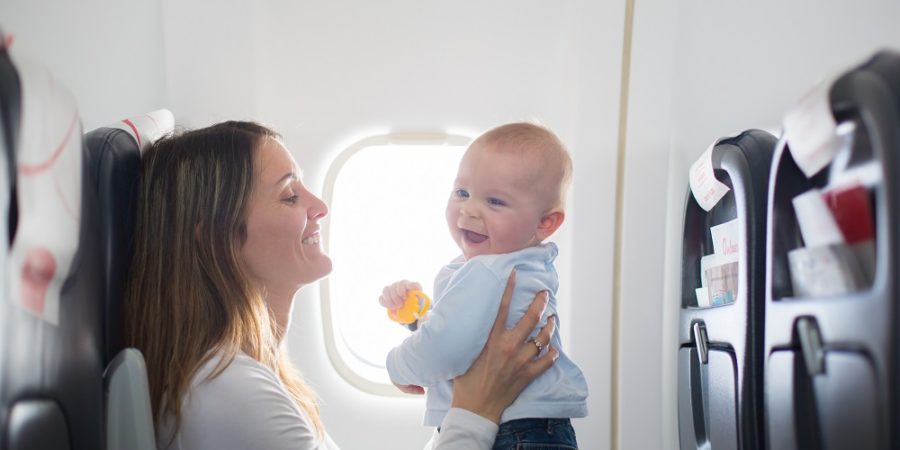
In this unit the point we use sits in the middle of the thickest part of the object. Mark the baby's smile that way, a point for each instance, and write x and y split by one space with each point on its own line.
473 237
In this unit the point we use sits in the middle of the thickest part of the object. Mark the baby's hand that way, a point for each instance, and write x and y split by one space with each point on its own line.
410 389
394 295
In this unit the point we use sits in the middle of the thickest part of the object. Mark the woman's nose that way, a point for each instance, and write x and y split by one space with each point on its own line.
318 209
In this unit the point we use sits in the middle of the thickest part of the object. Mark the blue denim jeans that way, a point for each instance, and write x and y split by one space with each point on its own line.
536 434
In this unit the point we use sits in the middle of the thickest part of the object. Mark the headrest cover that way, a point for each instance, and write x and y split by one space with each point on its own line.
49 192
149 127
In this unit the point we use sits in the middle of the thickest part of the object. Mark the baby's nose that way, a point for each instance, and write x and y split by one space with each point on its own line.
469 212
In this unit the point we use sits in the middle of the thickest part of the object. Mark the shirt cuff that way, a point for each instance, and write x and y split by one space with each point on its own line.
461 426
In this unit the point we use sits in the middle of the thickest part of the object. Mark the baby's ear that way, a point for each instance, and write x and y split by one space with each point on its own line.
550 222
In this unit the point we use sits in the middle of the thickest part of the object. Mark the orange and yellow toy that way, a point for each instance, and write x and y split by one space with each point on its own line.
414 307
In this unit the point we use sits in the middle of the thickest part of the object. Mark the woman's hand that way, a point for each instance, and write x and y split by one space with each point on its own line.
508 361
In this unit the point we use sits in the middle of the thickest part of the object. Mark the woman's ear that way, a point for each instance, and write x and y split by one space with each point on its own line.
550 222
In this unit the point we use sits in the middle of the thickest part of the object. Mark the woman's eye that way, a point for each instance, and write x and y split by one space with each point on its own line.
495 202
292 199
461 193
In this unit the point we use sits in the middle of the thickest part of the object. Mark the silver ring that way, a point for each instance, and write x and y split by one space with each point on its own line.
538 344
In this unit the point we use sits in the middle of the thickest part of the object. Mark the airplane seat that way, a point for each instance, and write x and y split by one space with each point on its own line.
9 118
10 110
114 156
51 387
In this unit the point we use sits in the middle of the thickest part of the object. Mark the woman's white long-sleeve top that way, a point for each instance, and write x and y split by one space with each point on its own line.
247 407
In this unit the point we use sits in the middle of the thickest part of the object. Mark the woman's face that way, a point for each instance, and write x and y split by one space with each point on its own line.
282 251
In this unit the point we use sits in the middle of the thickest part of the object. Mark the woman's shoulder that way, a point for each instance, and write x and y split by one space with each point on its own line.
243 405
243 382
218 372
224 380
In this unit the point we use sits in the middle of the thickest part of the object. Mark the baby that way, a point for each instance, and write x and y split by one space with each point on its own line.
508 198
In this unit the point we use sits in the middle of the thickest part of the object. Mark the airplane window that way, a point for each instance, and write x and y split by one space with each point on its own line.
387 196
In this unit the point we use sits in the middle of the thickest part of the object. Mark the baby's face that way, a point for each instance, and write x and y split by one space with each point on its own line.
497 203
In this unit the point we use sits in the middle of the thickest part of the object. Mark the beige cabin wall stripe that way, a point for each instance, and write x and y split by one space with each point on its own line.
617 243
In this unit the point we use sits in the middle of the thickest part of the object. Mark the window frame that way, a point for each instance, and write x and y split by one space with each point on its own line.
334 345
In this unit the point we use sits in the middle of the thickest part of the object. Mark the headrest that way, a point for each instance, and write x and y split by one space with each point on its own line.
114 158
147 128
48 166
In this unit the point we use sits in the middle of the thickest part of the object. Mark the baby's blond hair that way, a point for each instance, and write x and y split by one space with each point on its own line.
537 141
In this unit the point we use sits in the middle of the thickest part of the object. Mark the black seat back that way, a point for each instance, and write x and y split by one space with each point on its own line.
114 159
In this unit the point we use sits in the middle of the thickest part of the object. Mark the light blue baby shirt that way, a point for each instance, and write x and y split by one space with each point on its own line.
467 298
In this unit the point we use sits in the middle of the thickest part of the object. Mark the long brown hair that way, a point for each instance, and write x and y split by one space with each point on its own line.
189 298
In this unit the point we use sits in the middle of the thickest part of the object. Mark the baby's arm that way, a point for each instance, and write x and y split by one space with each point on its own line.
455 332
393 297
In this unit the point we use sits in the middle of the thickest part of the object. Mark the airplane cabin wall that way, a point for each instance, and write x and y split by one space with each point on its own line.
109 54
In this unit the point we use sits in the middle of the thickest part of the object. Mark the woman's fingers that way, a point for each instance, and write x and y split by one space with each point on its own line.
543 363
541 342
543 336
503 312
532 317
508 362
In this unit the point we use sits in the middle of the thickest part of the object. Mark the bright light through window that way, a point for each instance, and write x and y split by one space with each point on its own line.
386 223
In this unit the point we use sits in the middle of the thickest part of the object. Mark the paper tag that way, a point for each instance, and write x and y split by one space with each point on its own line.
842 174
725 237
702 297
719 275
817 225
810 130
722 284
852 212
824 270
706 188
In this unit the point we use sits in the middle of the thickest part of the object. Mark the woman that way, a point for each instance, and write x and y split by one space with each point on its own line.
226 235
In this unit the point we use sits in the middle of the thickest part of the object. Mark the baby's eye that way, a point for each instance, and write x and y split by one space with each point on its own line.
461 193
493 201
